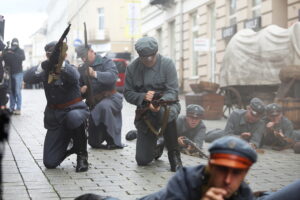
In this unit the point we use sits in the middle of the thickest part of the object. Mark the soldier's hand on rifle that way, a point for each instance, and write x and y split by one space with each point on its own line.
149 95
92 72
278 133
253 146
46 65
153 108
180 141
270 124
83 89
246 135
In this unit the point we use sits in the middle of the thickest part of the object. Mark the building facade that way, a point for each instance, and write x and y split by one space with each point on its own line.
107 24
195 33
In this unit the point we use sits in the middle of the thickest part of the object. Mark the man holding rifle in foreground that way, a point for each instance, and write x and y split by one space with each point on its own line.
65 114
151 84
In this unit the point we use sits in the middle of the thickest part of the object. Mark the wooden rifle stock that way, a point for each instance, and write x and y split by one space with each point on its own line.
187 142
57 57
90 95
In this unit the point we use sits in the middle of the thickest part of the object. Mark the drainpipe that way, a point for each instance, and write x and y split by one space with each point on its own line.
181 67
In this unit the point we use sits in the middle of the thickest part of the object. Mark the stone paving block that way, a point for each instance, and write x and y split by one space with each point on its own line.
15 196
70 194
85 182
62 188
111 188
15 189
43 195
11 178
38 186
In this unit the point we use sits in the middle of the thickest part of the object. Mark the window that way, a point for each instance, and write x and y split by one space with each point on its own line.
194 36
101 18
159 39
232 12
232 7
256 8
172 41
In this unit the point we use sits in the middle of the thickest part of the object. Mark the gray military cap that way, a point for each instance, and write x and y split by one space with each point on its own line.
194 110
258 106
273 109
82 50
232 152
146 46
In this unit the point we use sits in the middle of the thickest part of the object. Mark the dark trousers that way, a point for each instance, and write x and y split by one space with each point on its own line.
55 147
146 142
98 134
57 141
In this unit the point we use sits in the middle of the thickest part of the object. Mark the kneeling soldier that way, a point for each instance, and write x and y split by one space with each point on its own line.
65 114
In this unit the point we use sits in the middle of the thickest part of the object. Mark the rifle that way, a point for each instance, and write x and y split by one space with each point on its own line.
188 142
156 102
90 96
57 57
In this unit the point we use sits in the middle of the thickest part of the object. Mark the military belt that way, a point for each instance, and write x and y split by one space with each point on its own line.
64 105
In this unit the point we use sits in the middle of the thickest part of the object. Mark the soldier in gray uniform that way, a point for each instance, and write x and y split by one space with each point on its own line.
192 127
247 124
65 114
279 132
147 76
279 129
105 102
222 178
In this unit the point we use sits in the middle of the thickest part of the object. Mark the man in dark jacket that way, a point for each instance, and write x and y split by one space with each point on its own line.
148 76
223 177
65 114
98 77
13 60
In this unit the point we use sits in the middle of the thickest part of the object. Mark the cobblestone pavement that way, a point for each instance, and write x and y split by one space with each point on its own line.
113 172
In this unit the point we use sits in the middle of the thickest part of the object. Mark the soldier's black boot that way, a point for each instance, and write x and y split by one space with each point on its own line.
82 162
80 147
175 160
159 149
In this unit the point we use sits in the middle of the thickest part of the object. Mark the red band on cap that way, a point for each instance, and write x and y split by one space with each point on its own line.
230 160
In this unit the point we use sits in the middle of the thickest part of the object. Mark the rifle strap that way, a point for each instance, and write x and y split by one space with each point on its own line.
164 122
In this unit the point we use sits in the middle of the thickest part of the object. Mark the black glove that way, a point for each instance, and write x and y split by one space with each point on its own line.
46 65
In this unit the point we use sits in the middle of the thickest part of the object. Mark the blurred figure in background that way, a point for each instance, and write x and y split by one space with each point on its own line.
3 79
13 58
